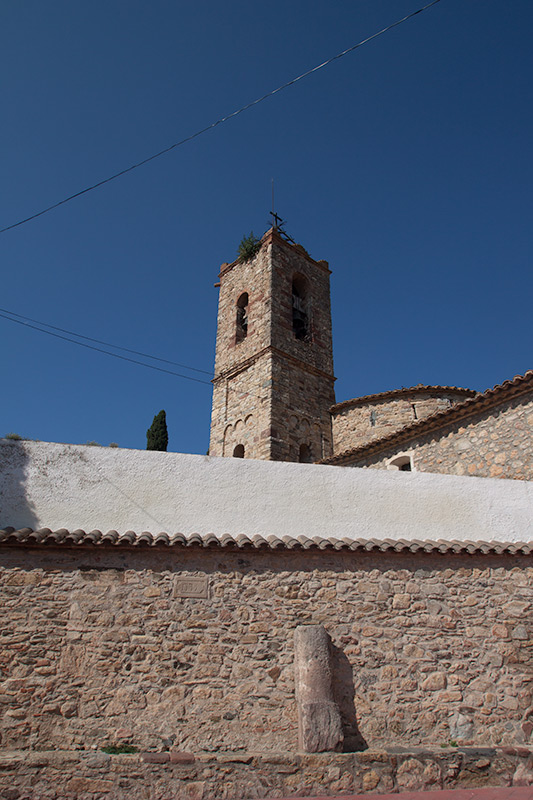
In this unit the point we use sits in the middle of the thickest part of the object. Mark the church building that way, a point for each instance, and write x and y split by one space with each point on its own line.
244 625
273 395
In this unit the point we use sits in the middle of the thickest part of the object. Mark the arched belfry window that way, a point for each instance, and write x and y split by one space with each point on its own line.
242 317
238 451
300 307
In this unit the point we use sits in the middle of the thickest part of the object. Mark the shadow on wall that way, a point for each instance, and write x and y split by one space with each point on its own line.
344 693
15 508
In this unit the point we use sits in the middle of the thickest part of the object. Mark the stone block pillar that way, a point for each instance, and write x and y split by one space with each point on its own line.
319 719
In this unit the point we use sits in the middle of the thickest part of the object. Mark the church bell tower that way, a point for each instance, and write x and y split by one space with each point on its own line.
273 383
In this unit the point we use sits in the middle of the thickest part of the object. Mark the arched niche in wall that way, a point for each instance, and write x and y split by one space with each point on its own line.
402 462
304 454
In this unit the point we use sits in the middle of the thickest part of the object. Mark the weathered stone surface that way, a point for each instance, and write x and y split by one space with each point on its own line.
215 777
461 726
319 720
272 391
523 775
320 727
492 443
413 774
163 673
181 758
155 758
356 423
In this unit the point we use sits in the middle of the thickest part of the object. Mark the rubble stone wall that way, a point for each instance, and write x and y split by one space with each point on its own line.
360 423
64 775
192 648
497 443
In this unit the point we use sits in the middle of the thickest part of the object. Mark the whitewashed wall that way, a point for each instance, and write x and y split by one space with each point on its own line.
74 486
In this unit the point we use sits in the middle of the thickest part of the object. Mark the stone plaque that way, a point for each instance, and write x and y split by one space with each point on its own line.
195 586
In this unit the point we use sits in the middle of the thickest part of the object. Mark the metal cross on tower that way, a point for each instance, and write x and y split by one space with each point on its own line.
278 222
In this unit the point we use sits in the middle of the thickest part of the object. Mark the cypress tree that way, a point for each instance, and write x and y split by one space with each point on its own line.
157 434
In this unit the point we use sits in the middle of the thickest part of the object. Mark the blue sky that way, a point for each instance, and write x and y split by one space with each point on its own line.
406 164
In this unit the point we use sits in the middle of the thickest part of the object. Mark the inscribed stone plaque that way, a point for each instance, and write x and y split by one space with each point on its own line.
191 587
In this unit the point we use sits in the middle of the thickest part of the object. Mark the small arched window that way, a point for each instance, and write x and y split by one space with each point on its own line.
238 451
300 308
304 455
404 463
241 330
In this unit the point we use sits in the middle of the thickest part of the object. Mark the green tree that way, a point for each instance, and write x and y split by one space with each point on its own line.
249 247
157 434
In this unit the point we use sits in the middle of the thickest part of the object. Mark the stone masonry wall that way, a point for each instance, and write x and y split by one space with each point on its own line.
241 412
289 261
497 443
357 424
192 648
302 370
271 390
86 775
236 396
300 413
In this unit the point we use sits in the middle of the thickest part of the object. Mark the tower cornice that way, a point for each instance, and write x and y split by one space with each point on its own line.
273 236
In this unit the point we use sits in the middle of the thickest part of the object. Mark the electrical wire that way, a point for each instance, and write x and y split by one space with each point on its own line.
107 353
218 121
4 315
99 341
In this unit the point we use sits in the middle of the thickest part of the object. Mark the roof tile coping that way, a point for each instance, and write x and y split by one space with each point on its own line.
405 390
520 384
27 537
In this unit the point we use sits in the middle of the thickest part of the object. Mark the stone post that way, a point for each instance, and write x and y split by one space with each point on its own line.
319 720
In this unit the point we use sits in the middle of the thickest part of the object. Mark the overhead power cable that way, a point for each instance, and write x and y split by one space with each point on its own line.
4 315
107 352
99 341
219 121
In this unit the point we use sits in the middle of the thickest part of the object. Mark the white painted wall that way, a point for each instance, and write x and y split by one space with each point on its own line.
74 486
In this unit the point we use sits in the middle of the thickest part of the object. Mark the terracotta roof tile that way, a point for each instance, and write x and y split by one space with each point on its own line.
26 537
520 384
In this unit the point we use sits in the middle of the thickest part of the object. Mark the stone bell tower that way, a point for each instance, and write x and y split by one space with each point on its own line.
273 383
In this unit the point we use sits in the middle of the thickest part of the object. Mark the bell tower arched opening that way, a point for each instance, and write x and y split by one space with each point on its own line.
241 326
300 307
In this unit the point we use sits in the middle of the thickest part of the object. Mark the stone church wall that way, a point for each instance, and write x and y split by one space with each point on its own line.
357 423
496 443
106 645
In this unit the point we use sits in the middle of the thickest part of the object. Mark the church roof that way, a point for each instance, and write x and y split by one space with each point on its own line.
518 385
405 391
44 537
